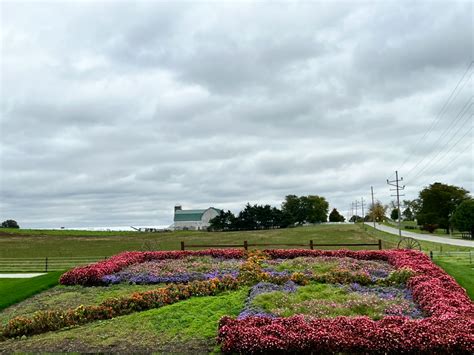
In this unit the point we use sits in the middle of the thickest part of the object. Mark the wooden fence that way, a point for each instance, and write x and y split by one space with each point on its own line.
311 245
44 264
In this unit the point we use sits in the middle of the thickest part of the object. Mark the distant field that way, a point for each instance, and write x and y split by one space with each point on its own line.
31 243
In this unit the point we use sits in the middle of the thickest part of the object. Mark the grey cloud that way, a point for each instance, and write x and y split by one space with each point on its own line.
112 113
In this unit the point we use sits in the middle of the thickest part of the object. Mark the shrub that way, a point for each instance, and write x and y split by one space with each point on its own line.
429 227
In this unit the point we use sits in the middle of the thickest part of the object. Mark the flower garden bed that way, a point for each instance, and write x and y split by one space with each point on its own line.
299 300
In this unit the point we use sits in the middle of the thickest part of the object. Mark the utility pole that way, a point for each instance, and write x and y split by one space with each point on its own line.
397 188
363 216
373 205
356 206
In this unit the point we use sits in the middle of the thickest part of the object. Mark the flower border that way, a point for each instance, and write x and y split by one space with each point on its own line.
91 275
448 329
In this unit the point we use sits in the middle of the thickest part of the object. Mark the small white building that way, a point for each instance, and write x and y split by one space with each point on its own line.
193 219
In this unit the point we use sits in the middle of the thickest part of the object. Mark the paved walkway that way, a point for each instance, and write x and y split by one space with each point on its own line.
19 276
427 238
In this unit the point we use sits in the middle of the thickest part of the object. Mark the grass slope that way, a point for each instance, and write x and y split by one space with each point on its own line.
186 327
16 290
25 244
461 269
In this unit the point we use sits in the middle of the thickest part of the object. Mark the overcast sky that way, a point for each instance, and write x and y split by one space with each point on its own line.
111 113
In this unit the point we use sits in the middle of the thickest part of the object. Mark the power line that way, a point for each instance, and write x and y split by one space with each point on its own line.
439 115
446 152
454 124
452 161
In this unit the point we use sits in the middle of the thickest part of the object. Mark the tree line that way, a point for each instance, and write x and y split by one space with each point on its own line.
295 210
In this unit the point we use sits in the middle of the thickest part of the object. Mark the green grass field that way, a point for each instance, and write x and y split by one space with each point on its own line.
32 244
15 290
461 268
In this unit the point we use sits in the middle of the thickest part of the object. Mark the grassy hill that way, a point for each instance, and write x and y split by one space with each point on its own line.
59 243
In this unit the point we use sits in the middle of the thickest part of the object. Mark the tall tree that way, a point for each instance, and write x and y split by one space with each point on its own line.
377 211
463 217
223 221
311 209
293 209
316 208
335 216
438 202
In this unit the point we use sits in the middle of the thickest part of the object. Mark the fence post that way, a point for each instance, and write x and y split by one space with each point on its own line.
431 254
380 244
182 245
311 246
46 264
246 245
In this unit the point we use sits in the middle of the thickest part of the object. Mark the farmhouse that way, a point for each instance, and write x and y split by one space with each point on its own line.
193 219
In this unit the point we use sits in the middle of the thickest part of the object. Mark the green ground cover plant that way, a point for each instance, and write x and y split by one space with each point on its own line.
16 290
326 300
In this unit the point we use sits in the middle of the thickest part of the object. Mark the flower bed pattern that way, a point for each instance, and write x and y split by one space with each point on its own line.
448 328
92 274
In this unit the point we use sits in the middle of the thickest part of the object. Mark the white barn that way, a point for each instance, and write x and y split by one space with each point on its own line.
193 219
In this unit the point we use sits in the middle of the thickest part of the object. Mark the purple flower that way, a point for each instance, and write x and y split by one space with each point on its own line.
251 310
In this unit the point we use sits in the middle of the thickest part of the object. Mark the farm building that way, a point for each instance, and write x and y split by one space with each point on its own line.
193 219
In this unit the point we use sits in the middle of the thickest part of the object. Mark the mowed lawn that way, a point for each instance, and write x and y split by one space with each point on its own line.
16 290
461 268
41 243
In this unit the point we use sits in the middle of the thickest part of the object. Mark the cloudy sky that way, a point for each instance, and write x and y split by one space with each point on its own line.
111 113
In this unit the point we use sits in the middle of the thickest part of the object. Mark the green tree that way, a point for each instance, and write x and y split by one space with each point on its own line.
224 221
463 217
335 216
293 209
394 214
10 223
316 208
438 202
310 209
408 214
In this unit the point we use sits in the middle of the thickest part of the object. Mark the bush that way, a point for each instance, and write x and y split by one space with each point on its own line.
429 227
10 223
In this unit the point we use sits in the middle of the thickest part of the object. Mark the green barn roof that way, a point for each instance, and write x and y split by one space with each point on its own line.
190 215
